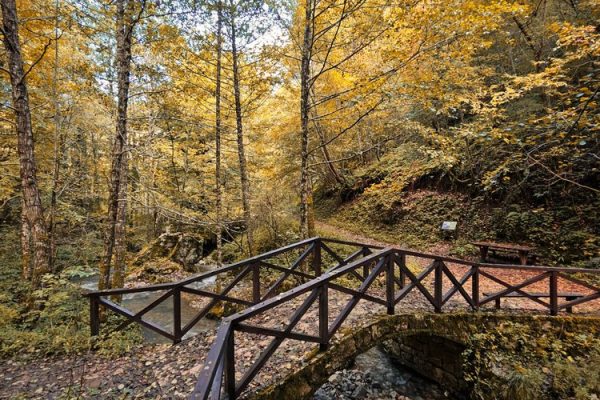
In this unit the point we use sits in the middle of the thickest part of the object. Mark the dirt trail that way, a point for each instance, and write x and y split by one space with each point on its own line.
326 229
336 232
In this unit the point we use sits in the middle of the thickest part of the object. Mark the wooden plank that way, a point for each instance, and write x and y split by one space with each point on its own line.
540 294
177 315
504 246
266 354
323 317
415 282
458 286
278 333
128 314
579 282
580 300
355 299
212 363
138 316
513 288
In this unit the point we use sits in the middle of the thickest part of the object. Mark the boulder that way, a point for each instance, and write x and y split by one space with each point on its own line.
184 249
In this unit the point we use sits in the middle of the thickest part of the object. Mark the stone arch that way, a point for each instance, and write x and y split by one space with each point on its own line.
455 327
436 357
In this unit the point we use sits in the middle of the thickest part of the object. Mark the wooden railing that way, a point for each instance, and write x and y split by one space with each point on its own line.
218 377
318 262
308 255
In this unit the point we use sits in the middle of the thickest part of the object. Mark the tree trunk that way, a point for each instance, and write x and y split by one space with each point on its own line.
218 193
118 277
57 147
305 188
114 242
240 140
26 260
33 212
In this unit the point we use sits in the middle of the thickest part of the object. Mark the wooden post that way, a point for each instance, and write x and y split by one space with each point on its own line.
365 268
402 273
438 285
230 365
484 252
316 260
255 283
475 287
324 317
554 293
389 285
177 315
94 316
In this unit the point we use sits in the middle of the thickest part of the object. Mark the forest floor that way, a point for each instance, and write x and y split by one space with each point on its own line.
166 372
326 229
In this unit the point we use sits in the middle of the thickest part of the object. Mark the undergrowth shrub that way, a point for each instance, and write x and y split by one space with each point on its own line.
53 320
518 361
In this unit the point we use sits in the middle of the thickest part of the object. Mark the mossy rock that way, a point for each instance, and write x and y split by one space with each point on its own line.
184 249
155 271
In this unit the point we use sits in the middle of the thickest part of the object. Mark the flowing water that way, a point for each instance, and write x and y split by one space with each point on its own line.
162 314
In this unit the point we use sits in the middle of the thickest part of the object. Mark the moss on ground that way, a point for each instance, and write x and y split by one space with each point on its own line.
508 356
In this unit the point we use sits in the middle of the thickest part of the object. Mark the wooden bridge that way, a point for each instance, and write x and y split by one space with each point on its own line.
316 268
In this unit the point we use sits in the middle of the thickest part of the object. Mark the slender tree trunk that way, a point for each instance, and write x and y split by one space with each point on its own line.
32 205
240 140
114 242
57 147
305 188
26 259
118 278
218 190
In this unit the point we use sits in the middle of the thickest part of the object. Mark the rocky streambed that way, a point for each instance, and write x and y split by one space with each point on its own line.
374 375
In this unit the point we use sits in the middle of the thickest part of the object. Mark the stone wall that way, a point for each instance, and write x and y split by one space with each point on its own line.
433 357
454 327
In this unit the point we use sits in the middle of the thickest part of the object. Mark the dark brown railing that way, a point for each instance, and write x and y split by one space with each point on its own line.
218 377
318 262
250 269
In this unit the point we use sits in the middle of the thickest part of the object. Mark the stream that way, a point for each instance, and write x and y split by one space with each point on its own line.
374 375
162 314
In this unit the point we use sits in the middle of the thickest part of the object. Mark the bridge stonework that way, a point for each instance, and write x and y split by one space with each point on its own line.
434 357
405 336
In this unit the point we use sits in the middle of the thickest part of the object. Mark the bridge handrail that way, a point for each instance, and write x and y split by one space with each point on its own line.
250 266
220 362
374 260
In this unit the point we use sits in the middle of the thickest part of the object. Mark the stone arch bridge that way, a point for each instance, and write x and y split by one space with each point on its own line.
429 343
328 293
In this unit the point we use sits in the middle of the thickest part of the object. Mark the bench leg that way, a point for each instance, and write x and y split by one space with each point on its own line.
570 308
497 303
523 257
484 253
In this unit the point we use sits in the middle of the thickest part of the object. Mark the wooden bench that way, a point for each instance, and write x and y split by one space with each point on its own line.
567 296
522 251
